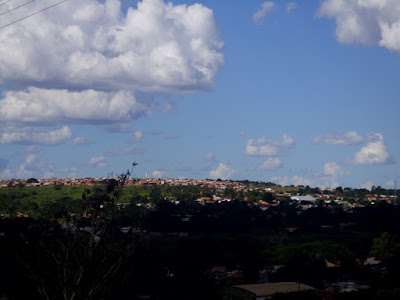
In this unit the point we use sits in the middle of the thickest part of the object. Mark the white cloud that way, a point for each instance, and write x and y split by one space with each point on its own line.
266 8
51 106
32 166
157 47
85 62
223 171
271 164
290 7
138 136
29 135
295 180
333 169
261 147
159 174
23 172
266 147
374 152
349 138
97 162
30 159
287 142
390 35
79 141
365 21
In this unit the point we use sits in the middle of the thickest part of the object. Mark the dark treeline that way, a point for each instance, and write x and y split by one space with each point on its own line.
160 242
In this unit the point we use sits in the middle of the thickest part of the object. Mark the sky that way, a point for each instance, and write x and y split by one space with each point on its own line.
290 92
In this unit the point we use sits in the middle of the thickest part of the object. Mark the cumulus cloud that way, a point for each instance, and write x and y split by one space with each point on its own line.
295 180
223 171
349 138
266 147
290 7
29 135
266 8
52 106
32 166
159 174
333 169
157 47
271 164
86 62
97 162
365 21
374 152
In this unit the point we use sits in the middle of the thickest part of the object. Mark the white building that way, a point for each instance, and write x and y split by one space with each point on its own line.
303 198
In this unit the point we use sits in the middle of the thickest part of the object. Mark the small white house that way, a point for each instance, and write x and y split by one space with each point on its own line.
303 198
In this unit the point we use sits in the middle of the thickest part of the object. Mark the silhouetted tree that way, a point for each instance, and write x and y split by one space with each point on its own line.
78 260
383 245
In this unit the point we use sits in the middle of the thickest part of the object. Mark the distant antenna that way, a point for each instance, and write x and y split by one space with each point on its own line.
395 193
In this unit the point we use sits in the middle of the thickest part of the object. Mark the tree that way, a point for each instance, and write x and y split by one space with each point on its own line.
155 194
79 259
383 245
268 197
339 191
20 185
32 180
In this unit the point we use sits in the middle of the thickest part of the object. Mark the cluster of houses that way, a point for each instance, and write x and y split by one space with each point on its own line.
223 276
218 185
90 181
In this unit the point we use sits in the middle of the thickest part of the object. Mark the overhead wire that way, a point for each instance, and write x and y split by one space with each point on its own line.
5 2
16 7
35 13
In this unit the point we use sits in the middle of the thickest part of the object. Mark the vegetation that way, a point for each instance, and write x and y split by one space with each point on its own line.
111 240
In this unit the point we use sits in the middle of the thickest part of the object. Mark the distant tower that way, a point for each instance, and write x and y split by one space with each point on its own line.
395 200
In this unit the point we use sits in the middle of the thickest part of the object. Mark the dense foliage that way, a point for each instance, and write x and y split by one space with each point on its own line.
111 242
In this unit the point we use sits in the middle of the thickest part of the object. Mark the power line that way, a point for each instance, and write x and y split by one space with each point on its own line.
5 2
35 13
16 7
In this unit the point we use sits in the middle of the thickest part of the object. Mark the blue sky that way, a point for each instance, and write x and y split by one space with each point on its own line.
303 92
